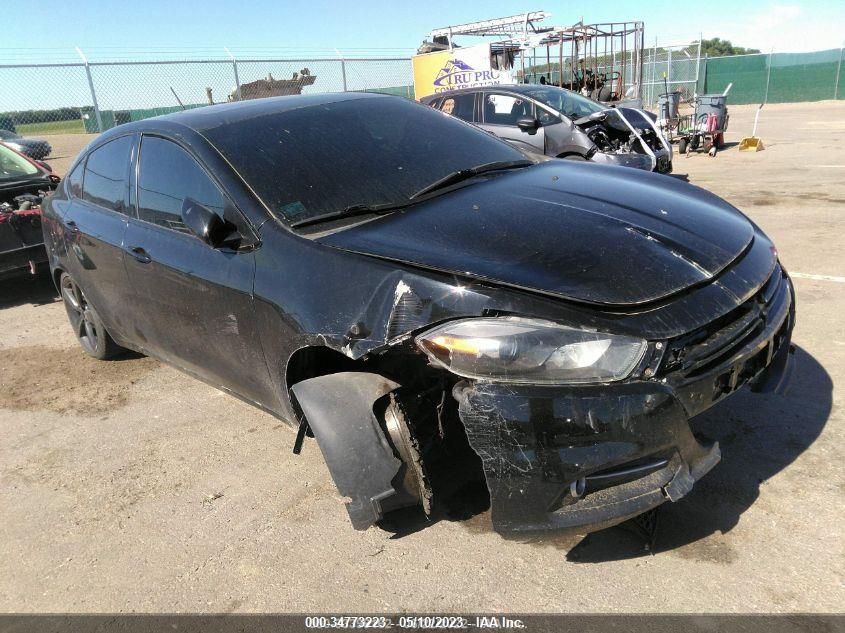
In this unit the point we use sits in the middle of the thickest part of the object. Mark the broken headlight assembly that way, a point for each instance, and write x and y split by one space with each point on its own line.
522 350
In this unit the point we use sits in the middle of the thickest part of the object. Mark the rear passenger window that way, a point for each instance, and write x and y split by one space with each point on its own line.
74 181
461 106
167 176
105 174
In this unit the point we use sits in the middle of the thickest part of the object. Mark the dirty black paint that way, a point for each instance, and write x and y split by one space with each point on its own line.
593 234
602 248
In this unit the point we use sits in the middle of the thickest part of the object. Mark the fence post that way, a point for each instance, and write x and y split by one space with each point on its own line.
698 64
97 114
235 69
654 74
768 76
838 71
343 68
669 67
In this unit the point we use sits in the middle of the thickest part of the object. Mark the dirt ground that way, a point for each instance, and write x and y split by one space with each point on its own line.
128 486
65 149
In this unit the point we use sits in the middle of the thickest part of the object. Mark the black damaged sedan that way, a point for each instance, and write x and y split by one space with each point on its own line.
441 312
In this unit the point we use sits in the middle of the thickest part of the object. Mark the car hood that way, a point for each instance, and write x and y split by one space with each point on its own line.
579 231
611 117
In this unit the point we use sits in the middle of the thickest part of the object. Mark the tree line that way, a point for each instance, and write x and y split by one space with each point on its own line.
8 120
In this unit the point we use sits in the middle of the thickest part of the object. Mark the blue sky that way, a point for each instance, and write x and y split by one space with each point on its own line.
161 28
284 29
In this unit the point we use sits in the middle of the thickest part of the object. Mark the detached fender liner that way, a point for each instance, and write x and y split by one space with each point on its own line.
340 410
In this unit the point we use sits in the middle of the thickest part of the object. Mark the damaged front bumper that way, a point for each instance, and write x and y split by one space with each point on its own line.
589 457
581 458
660 161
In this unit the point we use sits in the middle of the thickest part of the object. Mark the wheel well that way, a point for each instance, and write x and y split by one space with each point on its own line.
310 362
455 471
567 154
57 274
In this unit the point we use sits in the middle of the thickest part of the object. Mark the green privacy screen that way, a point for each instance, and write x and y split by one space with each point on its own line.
794 77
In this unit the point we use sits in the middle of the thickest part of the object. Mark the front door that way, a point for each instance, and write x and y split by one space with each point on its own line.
500 112
193 303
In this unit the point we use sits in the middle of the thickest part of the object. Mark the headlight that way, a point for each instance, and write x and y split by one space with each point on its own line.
516 349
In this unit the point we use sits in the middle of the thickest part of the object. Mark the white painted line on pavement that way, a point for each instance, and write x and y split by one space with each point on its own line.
840 280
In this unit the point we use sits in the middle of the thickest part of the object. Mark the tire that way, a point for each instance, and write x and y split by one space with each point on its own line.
682 146
86 323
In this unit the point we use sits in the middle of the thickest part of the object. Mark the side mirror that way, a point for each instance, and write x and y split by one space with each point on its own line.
527 124
205 223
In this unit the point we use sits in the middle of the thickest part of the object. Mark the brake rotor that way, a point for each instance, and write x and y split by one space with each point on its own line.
415 482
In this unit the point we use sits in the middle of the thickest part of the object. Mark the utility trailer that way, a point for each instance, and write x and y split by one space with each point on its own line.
602 61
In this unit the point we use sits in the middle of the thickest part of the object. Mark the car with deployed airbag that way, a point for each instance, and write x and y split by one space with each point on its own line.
452 319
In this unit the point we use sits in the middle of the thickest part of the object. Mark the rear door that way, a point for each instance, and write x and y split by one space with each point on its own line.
192 303
461 105
94 224
500 112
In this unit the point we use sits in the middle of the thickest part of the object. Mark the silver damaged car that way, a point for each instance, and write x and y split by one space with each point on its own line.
561 123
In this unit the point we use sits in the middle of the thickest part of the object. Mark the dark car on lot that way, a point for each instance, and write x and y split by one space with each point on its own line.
560 123
33 147
23 184
444 315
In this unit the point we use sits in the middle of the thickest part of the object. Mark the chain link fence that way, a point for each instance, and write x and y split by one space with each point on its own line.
42 99
778 77
674 68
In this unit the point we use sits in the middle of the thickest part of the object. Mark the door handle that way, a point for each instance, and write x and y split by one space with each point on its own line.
71 226
140 254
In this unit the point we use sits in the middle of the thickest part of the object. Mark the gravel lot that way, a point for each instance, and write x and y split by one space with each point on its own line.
128 486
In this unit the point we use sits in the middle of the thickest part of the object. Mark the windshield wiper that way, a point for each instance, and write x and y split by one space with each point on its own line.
348 212
465 174
448 179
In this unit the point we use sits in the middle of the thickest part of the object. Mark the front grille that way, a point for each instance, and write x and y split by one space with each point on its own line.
716 343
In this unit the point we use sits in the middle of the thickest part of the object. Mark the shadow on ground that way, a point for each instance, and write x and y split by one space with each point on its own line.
760 435
35 289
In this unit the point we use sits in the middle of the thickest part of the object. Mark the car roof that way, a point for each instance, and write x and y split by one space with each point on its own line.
518 88
200 119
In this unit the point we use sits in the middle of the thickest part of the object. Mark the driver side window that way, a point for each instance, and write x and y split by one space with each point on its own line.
500 109
545 117
167 176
